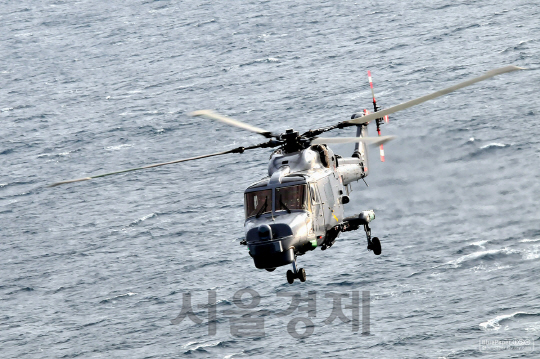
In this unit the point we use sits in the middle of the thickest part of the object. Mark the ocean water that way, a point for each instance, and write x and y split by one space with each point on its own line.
102 268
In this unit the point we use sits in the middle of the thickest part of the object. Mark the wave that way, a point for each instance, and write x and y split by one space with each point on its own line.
474 152
490 148
200 347
527 240
60 154
523 45
142 219
487 255
231 355
206 22
479 243
494 145
24 289
495 323
108 300
475 259
118 147
472 247
531 253
260 61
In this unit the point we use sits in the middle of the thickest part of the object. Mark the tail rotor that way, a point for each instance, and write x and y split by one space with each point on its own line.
378 121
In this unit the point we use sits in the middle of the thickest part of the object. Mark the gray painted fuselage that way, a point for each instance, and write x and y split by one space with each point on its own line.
294 232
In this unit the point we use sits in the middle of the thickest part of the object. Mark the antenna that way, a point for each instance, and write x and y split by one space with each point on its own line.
379 120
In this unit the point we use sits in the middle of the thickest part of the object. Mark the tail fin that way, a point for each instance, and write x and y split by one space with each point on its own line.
361 149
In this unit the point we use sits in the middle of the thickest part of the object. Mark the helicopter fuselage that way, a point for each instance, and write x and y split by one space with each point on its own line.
299 206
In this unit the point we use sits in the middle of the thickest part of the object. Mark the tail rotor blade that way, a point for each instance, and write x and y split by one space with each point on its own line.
381 150
373 95
376 108
372 91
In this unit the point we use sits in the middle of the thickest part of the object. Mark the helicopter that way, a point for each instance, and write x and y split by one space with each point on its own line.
299 205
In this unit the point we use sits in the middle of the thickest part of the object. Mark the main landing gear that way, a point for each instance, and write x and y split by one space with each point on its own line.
372 244
353 223
296 273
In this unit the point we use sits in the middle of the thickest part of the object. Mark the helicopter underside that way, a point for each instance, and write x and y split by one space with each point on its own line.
268 259
283 246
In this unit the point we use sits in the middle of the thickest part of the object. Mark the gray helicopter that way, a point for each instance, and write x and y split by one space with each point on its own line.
299 206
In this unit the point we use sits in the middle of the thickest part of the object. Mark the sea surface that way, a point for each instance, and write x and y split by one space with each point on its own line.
103 268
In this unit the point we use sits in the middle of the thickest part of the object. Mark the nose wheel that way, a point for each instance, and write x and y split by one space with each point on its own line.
296 274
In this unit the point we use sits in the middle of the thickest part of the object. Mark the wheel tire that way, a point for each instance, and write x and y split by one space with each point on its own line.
270 269
302 274
376 246
290 276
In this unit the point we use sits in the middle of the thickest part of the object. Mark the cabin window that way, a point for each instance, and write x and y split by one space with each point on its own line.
258 202
292 197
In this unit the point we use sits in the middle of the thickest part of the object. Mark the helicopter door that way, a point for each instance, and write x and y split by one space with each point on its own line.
318 216
328 202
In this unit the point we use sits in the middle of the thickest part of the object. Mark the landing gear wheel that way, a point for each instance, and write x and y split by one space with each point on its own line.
270 269
302 274
290 276
376 246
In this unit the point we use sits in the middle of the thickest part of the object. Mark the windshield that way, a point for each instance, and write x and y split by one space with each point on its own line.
257 203
293 197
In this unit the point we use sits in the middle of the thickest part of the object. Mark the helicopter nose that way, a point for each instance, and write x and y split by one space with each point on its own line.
265 232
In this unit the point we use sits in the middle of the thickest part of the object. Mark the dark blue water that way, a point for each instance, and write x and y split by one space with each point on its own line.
100 268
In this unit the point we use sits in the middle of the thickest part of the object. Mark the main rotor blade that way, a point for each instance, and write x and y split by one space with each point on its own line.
375 141
237 150
417 101
231 121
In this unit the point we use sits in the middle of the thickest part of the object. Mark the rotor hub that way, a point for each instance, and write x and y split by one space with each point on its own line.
293 142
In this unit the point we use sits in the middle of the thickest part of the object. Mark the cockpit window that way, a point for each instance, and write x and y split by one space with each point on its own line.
293 197
259 202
